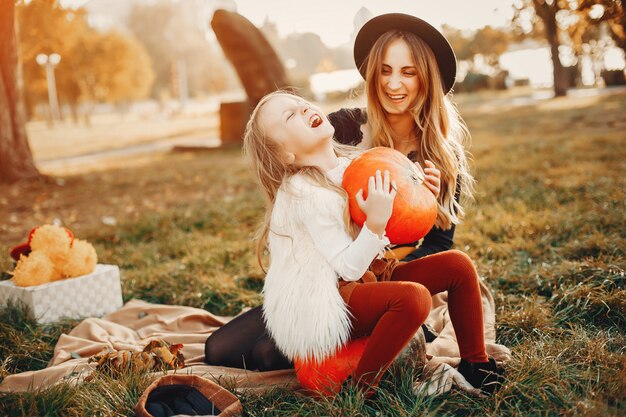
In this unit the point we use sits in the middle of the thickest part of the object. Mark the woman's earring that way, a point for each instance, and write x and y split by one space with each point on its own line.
291 158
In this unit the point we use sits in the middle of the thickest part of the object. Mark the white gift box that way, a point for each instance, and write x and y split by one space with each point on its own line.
89 295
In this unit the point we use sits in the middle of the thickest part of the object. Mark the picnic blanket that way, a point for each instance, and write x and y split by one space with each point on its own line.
137 322
131 327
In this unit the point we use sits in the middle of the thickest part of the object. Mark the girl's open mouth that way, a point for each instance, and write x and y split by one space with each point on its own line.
315 120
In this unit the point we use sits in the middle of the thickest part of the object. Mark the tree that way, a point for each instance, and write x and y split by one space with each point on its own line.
16 160
305 53
609 11
588 39
47 28
169 35
490 43
460 42
546 11
111 67
94 67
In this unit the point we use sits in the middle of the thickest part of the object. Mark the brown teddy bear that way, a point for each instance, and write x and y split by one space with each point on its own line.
50 254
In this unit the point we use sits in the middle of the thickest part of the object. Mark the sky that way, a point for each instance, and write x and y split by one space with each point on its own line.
333 20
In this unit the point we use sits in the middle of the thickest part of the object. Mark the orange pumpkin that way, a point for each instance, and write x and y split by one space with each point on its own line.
415 206
326 377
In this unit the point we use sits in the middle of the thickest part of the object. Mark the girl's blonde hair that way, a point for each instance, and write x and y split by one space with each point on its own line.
269 162
442 134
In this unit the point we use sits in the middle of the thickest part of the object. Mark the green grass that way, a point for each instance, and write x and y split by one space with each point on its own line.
547 233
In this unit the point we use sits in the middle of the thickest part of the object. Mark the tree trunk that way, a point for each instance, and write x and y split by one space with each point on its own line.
618 30
558 72
16 159
547 13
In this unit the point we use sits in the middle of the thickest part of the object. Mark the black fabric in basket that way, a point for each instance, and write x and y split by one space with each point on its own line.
171 400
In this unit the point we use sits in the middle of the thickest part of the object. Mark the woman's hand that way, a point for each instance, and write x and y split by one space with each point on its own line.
433 177
379 204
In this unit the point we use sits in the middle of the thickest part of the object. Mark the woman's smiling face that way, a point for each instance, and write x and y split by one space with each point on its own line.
398 78
299 126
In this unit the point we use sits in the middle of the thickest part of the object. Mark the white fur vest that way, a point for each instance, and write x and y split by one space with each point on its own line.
309 250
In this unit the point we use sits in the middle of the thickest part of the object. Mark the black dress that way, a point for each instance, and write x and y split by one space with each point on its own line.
347 124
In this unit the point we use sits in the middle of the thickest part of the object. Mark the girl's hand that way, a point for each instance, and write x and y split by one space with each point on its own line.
379 204
433 178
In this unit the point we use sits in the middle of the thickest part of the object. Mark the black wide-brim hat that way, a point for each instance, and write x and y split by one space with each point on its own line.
375 27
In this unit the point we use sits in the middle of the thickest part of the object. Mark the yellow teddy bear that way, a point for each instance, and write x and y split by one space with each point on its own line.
50 254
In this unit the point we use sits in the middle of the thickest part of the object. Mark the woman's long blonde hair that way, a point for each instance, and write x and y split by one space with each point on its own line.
442 134
269 163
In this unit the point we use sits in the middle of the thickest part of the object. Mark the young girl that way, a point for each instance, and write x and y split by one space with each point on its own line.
313 245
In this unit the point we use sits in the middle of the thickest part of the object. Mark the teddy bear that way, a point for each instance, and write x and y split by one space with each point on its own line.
51 253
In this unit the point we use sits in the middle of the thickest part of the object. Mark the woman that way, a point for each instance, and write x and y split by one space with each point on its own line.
409 67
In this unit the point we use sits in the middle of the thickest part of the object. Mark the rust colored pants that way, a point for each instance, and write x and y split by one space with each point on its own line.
390 312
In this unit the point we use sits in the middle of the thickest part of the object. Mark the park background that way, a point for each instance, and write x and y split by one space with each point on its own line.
121 125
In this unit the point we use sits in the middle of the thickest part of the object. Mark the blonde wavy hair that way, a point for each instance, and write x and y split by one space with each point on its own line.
442 133
269 163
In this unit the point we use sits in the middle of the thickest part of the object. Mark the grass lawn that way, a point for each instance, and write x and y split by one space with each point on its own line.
547 233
